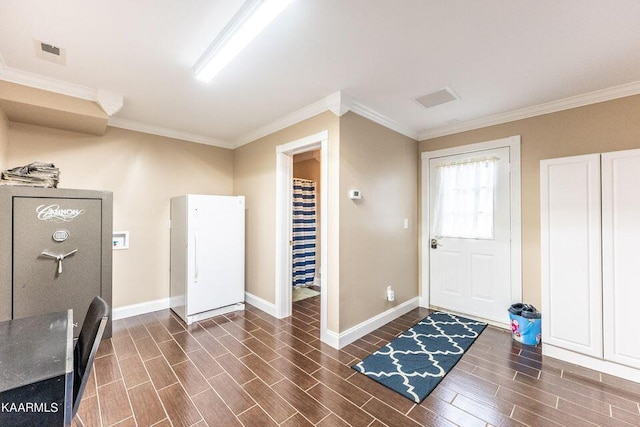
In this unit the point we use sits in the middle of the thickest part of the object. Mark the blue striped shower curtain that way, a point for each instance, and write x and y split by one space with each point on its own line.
304 232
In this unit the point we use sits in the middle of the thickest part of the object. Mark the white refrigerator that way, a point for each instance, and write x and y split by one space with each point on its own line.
207 255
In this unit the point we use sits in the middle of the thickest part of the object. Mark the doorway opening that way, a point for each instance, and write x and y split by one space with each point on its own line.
307 157
306 219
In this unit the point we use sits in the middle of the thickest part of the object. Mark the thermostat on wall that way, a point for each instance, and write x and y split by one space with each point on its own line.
355 194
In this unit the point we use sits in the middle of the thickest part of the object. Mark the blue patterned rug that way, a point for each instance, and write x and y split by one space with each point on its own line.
416 361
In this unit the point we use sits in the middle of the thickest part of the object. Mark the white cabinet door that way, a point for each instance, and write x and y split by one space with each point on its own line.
571 254
621 262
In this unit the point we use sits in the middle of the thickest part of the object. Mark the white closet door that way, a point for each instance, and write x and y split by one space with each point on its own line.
570 264
620 255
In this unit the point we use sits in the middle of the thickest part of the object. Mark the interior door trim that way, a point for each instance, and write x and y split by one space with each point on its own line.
513 142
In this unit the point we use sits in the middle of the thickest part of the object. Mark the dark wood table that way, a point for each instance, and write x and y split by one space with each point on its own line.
36 370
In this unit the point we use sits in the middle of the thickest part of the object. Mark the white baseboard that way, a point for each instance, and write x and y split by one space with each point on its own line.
141 308
332 339
356 332
215 312
424 302
261 304
605 366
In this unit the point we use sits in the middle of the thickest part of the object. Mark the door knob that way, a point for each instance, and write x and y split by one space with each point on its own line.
435 244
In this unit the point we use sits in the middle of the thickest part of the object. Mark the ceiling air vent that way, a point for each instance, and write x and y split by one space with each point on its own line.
438 97
50 53
50 49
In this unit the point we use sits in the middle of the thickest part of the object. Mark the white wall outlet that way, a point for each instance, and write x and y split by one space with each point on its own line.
390 294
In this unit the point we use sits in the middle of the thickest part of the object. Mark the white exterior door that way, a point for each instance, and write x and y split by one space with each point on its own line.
469 233
570 253
621 266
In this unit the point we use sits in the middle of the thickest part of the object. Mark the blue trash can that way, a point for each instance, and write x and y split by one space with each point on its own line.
526 323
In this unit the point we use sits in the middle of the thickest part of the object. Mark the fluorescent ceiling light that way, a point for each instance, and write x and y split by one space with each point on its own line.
246 24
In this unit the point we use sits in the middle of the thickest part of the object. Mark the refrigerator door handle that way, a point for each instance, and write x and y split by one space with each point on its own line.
195 257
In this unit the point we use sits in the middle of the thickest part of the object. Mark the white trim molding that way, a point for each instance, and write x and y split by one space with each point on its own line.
45 83
284 175
141 308
118 122
260 304
325 104
594 97
368 113
110 102
338 103
356 332
513 143
615 369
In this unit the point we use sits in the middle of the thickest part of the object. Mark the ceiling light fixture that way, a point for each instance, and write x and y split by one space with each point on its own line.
252 17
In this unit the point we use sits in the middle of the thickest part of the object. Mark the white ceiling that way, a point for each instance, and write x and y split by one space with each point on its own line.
497 55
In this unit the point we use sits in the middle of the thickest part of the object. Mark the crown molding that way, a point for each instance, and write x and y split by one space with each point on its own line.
329 103
110 102
338 103
45 83
169 133
383 120
594 97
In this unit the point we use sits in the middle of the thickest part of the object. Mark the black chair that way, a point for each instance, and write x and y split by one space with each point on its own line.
87 347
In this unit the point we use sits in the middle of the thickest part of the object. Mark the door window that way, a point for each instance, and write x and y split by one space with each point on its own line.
465 202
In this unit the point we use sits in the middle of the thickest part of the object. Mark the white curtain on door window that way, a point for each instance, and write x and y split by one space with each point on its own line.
464 207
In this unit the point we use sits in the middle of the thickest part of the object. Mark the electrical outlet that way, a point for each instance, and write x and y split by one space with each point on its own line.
390 294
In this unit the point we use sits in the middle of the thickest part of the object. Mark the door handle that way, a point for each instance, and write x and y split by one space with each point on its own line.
435 244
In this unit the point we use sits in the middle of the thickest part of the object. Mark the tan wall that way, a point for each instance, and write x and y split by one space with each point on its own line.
310 169
254 177
144 172
4 142
375 249
607 126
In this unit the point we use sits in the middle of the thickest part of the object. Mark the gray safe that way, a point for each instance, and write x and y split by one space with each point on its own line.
55 251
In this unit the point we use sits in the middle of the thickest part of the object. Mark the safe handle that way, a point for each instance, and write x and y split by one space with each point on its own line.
70 253
50 255
59 258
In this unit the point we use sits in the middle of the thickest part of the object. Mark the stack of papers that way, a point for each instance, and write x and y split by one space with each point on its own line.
36 174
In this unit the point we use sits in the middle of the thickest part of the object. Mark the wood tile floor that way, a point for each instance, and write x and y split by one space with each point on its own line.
251 369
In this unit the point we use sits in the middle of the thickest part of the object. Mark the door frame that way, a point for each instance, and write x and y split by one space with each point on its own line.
513 143
284 198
